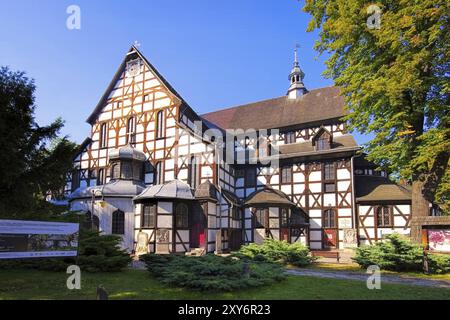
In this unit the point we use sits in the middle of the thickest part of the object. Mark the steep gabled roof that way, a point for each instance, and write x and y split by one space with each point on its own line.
132 54
315 106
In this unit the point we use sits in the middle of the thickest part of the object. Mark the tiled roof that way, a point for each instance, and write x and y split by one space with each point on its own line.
374 188
315 106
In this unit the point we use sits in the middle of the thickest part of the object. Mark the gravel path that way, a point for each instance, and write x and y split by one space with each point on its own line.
345 275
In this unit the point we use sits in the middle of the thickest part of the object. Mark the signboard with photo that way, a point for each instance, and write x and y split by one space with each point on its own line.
37 239
439 240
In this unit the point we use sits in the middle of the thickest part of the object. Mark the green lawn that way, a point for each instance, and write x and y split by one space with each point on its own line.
134 284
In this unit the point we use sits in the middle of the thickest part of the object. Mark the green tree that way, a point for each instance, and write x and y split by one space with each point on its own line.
33 159
395 80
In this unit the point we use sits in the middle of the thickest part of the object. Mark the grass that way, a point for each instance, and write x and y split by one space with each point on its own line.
356 268
137 284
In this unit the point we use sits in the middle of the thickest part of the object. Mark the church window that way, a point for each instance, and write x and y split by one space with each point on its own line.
160 125
289 137
250 177
159 174
323 143
75 179
131 130
100 177
286 175
261 218
115 171
182 216
284 213
384 216
329 219
329 172
148 216
118 222
194 172
127 171
103 136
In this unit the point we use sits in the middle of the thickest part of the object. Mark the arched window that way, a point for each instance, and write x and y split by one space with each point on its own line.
131 130
384 216
160 125
118 222
182 216
329 218
159 173
103 136
115 171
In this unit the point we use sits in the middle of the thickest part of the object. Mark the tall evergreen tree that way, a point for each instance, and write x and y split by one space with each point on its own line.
395 79
33 159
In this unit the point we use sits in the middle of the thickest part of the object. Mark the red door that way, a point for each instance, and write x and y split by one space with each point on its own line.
330 238
198 236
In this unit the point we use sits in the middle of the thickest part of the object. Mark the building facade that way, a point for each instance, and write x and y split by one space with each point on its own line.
169 180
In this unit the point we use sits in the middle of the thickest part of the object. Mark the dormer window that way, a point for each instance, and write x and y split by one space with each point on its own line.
322 140
289 137
323 143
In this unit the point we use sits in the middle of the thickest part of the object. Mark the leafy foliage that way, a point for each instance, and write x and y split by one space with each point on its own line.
399 254
97 253
395 80
211 273
278 252
33 159
101 253
439 263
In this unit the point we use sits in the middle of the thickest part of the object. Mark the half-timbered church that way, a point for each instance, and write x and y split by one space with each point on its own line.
159 174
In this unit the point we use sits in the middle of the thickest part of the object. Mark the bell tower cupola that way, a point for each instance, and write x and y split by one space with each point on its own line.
297 88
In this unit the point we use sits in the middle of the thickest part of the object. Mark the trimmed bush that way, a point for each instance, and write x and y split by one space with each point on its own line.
277 252
399 254
439 263
97 253
211 273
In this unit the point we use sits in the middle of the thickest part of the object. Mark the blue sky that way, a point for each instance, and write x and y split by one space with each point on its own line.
216 54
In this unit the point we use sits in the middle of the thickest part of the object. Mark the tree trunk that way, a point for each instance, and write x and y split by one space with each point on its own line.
420 206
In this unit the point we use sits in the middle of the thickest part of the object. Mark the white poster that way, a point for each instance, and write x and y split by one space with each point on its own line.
439 240
37 239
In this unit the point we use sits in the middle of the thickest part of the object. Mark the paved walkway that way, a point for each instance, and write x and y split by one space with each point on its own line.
346 275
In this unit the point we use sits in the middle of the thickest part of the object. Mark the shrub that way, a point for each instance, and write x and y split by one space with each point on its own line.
277 251
101 253
399 254
439 263
96 253
211 273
